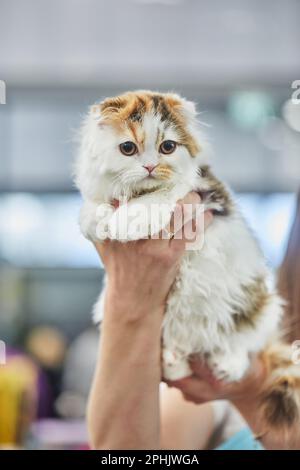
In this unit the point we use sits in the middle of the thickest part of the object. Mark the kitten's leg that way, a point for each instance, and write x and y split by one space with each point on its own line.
94 220
175 366
98 309
229 366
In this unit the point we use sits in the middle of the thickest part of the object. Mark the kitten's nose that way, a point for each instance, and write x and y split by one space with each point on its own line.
150 168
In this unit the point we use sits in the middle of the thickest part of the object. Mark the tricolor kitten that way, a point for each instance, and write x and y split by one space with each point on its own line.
147 147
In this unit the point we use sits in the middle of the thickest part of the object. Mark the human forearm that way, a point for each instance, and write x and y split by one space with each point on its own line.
124 404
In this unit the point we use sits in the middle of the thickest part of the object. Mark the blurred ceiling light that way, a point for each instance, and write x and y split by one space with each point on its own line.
291 114
22 214
250 109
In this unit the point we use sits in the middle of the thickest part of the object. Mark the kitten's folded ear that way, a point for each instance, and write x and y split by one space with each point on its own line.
109 106
96 111
188 108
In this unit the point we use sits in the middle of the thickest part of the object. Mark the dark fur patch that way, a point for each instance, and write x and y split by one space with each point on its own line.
156 102
138 112
136 116
163 110
257 296
215 192
280 407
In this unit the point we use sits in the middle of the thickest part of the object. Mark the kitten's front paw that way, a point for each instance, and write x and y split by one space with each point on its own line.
103 215
160 218
120 227
136 221
93 220
175 367
228 368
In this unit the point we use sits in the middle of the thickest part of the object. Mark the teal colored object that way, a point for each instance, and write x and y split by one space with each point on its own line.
249 110
242 440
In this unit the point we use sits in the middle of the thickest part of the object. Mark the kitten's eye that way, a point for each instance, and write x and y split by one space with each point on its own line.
167 146
128 148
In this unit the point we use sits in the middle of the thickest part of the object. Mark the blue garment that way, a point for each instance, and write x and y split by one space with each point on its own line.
242 440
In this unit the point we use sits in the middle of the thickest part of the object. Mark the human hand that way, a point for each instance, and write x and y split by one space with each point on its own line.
141 273
202 386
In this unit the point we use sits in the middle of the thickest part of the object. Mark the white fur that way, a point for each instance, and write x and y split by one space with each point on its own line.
198 318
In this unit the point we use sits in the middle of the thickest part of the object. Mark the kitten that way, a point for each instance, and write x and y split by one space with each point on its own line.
147 147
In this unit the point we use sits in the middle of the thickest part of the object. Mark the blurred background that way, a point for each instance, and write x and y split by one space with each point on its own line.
236 59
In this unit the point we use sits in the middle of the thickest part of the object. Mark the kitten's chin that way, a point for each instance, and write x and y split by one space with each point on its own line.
151 183
148 185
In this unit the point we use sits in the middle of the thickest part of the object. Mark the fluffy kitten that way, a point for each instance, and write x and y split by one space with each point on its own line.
146 147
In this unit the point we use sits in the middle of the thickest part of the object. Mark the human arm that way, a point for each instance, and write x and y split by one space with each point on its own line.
124 399
123 409
184 424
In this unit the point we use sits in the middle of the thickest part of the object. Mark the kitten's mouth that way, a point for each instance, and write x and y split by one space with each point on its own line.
150 178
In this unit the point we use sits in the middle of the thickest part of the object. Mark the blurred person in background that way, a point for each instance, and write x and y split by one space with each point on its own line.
18 398
289 279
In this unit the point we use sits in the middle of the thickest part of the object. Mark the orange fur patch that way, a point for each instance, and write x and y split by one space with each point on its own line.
127 111
163 171
280 395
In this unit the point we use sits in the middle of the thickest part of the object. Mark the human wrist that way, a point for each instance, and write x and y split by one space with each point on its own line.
129 308
133 329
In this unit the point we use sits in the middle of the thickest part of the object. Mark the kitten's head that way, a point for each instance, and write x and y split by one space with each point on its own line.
139 142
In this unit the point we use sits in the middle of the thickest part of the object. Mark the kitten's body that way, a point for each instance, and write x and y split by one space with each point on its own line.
221 305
